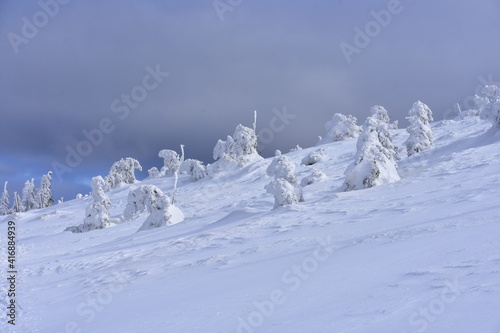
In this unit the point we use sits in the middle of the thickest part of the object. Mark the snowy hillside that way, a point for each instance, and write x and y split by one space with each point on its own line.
418 255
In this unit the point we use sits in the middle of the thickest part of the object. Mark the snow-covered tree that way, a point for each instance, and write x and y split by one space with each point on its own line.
122 171
29 200
97 213
17 206
284 193
380 113
488 104
159 214
314 177
282 167
153 173
284 187
194 168
374 163
341 127
171 162
313 157
4 201
238 149
44 193
151 199
420 116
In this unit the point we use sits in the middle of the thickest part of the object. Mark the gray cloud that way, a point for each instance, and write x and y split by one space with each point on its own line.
262 56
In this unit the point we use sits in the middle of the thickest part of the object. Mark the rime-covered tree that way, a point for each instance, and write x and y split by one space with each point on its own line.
4 201
151 199
122 172
284 193
194 168
284 187
239 149
380 113
17 206
29 200
97 213
44 193
420 139
153 173
488 104
341 127
171 162
374 163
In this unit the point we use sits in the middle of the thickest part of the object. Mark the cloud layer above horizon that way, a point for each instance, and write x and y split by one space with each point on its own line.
264 56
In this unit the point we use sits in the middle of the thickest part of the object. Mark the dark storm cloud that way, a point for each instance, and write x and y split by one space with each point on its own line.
260 57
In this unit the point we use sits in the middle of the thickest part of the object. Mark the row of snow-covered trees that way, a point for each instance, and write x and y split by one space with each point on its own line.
31 197
375 163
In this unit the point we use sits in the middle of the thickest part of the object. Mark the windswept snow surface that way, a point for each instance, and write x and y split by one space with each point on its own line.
418 255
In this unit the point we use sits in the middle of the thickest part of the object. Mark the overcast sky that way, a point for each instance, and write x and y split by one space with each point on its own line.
72 73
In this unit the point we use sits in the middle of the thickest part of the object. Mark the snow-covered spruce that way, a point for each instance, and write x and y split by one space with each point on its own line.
314 157
29 200
194 168
122 172
171 162
420 116
17 206
97 213
488 104
341 127
239 149
314 177
284 187
284 193
380 113
282 167
374 163
152 199
4 201
44 193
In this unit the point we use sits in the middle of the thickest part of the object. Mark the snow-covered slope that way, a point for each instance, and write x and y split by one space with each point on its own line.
419 255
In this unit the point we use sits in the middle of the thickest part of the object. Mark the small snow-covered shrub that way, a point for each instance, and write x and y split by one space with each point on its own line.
171 162
194 168
284 192
488 104
313 157
314 177
97 213
420 116
341 127
122 172
374 163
